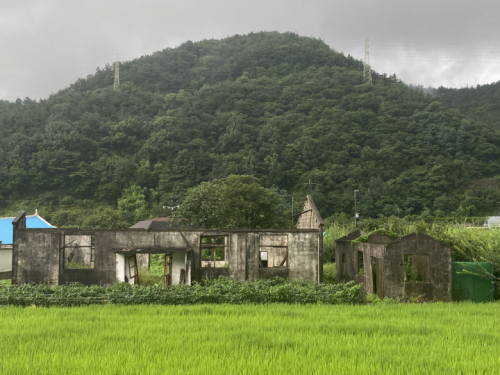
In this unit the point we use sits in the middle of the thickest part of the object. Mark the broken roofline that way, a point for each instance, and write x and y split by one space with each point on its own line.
359 233
150 250
203 231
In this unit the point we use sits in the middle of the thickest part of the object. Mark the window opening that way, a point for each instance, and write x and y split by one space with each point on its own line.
417 267
79 251
343 258
275 250
361 263
214 251
263 259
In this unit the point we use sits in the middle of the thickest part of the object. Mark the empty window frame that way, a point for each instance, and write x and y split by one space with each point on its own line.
79 251
214 251
361 263
417 267
343 258
273 251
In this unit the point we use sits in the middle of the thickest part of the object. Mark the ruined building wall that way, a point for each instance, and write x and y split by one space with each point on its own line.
40 254
434 255
430 257
311 219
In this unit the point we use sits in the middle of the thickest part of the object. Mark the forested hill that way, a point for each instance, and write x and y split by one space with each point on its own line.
481 103
284 108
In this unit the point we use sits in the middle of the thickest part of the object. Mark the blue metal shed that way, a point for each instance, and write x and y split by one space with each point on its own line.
32 221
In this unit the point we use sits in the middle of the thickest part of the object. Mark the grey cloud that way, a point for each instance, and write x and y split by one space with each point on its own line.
48 44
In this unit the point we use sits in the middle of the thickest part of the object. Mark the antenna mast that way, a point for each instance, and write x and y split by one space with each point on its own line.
367 70
117 74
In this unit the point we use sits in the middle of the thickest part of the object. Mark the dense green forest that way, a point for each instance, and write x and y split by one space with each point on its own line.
283 108
481 103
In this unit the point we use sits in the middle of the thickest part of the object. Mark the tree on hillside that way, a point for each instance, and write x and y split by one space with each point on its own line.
237 201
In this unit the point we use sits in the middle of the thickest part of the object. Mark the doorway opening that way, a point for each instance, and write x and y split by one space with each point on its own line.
158 268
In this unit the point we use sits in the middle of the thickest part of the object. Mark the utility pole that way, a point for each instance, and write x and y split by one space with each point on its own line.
310 183
367 70
292 210
117 74
356 215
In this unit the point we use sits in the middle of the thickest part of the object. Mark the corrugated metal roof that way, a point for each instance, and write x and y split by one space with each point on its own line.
32 221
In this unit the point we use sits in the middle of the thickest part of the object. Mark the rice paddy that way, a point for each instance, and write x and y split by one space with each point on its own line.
248 339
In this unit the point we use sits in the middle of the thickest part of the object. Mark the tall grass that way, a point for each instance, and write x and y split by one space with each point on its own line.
269 339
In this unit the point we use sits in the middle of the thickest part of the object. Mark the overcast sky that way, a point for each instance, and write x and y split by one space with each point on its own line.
47 44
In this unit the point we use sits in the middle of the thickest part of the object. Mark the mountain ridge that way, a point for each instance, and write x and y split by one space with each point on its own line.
284 108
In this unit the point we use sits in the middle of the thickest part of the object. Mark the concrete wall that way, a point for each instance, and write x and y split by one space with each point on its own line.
178 264
308 219
36 257
143 261
311 219
5 259
78 249
344 257
388 258
37 254
5 262
439 287
371 252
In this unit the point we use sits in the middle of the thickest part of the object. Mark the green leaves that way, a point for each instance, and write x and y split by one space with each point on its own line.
234 202
221 290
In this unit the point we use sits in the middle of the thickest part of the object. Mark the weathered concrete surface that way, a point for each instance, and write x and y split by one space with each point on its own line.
77 249
383 261
39 254
311 219
439 286
5 258
344 257
36 257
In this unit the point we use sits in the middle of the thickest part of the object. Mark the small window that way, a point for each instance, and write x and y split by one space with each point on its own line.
343 258
361 263
214 251
79 251
417 268
263 259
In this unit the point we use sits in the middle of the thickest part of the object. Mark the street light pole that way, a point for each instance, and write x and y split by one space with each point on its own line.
356 216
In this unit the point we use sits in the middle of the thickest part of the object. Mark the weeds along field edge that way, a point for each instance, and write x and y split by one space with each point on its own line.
444 338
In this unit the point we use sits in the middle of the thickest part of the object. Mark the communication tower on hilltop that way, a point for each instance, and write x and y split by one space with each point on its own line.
367 70
117 74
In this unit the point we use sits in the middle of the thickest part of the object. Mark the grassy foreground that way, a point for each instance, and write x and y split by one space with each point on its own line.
265 339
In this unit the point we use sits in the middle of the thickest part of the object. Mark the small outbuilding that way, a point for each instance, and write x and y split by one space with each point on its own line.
410 266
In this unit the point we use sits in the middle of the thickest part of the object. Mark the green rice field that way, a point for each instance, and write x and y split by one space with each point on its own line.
252 339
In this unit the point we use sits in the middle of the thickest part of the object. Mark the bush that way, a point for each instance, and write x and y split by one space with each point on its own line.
221 290
329 273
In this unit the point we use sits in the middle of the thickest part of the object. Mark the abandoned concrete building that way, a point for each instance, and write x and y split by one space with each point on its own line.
106 256
413 265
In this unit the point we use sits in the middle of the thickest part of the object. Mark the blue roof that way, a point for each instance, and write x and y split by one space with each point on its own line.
31 222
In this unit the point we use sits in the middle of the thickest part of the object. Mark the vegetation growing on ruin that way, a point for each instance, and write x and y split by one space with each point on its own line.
391 339
393 236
